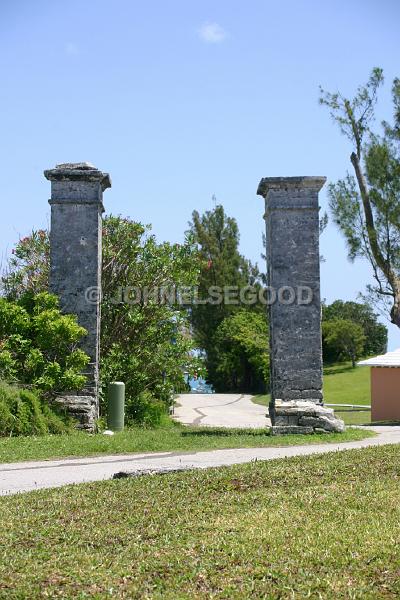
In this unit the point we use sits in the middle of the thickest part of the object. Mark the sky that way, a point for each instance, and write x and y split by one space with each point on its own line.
181 100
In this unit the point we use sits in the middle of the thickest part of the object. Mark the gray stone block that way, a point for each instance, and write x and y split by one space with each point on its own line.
330 423
83 409
306 414
286 419
293 407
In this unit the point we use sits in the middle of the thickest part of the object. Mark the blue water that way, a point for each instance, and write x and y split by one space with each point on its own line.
199 386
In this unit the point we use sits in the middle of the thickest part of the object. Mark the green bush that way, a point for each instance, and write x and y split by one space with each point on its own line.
39 345
22 412
240 353
145 409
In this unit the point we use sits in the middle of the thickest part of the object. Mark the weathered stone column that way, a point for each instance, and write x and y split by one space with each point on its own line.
293 261
75 266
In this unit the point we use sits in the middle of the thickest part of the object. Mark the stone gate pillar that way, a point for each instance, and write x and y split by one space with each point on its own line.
75 266
293 272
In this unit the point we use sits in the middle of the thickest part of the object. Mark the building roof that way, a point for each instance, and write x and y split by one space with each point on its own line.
390 359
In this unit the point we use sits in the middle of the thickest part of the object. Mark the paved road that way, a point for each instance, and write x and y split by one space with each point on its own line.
220 410
24 477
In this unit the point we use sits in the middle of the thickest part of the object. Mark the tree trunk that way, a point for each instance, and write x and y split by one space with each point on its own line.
395 310
369 218
383 264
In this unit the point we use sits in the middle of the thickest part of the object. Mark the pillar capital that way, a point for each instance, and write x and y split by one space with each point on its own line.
290 184
83 171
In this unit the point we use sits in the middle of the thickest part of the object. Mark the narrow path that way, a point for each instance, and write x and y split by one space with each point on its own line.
24 477
221 410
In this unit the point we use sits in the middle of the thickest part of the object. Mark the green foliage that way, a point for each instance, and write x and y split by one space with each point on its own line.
366 206
344 338
375 333
38 344
146 410
146 344
217 238
22 412
354 116
28 268
239 354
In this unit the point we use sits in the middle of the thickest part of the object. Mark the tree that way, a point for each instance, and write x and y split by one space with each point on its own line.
375 333
222 266
144 339
240 353
366 205
344 338
28 267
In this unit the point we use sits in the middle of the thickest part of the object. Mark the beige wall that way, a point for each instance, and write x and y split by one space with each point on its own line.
385 393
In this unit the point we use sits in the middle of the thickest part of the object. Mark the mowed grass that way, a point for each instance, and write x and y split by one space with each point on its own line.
171 437
354 417
305 527
343 385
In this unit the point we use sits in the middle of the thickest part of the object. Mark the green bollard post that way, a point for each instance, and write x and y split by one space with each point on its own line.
116 406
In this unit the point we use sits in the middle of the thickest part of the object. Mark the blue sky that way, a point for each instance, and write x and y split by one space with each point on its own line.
182 99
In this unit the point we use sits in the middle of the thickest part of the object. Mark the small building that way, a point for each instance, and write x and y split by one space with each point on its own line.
385 386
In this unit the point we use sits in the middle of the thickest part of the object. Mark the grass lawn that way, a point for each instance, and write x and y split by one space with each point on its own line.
343 385
172 436
354 417
305 527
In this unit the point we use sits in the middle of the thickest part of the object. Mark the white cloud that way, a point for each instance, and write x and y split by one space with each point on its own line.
71 49
212 33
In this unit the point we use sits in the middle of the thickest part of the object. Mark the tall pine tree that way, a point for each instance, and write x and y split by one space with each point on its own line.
222 265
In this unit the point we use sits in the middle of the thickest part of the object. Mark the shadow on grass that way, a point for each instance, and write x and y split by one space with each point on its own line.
359 416
354 417
385 423
215 431
335 370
